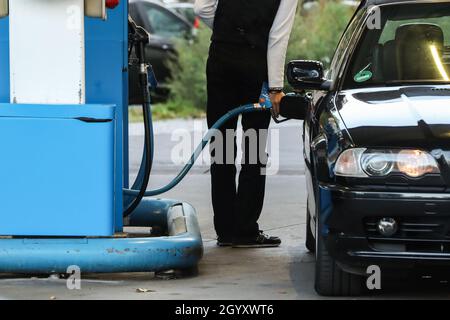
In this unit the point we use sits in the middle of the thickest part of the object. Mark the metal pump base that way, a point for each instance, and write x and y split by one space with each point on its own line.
180 248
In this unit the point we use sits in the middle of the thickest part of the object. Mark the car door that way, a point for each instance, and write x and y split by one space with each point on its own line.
320 100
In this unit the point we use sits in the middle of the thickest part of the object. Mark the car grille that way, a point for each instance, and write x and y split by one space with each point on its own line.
413 228
415 234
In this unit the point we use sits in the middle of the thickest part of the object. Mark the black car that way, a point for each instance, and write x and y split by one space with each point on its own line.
377 145
185 9
164 26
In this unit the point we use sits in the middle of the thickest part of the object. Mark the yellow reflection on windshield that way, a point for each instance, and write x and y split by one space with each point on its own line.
438 62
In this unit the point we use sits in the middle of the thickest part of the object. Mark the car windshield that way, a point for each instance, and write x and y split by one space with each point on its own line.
403 44
164 23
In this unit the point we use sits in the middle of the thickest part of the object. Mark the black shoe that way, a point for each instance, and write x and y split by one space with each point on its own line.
224 242
260 241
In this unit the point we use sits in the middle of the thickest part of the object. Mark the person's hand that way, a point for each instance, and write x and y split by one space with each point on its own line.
275 98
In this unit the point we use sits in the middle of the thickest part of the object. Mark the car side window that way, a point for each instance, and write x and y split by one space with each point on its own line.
343 46
410 47
164 23
391 28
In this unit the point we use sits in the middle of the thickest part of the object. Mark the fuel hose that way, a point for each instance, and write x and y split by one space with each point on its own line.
263 105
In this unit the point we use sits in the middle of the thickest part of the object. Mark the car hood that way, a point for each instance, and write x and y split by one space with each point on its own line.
409 117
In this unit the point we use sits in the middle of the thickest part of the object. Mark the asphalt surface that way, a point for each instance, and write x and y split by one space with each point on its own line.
224 273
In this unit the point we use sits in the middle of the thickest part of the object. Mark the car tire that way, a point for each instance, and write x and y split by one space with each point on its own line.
310 242
330 279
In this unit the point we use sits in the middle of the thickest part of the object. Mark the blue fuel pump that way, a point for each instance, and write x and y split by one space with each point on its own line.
65 194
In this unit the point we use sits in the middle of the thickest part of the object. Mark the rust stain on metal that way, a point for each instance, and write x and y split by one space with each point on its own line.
112 250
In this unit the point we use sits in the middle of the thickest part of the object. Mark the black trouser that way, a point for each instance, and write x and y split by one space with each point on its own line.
235 77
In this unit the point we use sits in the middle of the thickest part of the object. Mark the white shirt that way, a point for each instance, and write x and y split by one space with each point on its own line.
278 38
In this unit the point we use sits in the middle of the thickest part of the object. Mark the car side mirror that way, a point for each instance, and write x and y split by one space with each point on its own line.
307 75
294 106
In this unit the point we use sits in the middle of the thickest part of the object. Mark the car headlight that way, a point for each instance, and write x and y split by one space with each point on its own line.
361 163
377 164
416 163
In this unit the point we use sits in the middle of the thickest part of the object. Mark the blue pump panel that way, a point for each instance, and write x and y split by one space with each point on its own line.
57 170
4 60
106 84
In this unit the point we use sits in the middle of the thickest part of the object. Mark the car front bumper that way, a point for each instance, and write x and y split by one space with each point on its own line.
351 236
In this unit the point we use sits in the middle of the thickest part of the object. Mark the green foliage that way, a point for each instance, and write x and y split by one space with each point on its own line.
188 85
315 36
316 33
167 110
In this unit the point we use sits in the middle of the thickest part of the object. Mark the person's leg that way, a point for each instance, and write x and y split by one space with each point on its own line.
223 173
252 178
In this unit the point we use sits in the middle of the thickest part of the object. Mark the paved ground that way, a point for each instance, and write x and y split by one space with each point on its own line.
283 273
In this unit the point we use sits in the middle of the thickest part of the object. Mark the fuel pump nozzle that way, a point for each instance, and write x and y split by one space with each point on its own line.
137 33
138 38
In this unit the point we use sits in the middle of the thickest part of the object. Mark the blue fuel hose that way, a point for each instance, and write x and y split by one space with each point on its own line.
263 105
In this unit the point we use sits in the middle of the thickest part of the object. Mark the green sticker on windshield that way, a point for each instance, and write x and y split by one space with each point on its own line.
363 76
